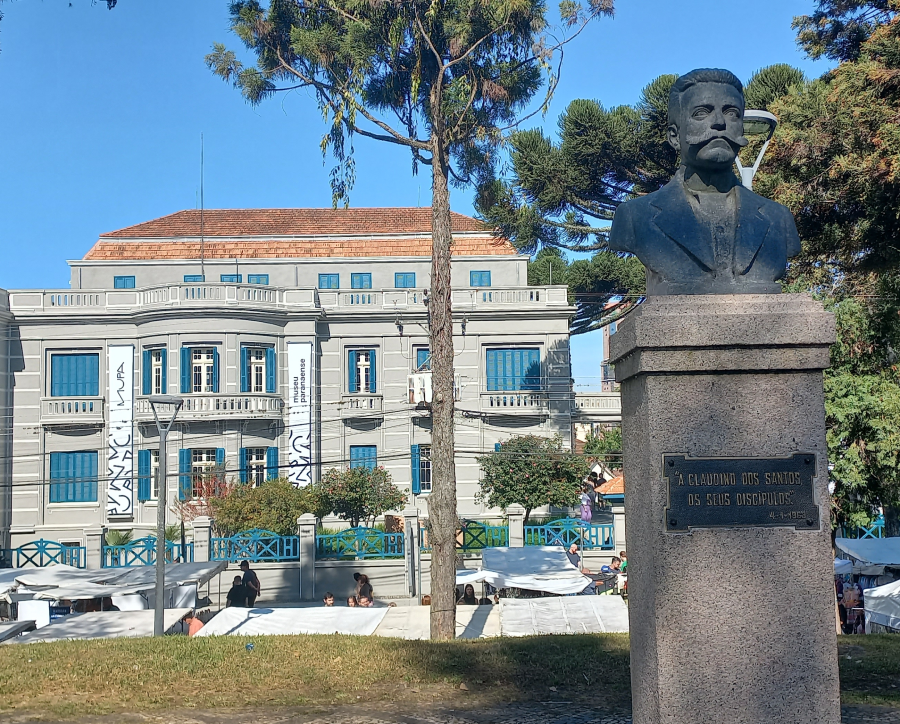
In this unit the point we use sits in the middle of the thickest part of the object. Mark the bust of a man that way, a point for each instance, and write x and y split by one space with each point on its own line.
703 232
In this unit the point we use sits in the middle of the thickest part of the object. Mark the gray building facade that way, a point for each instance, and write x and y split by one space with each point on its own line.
292 336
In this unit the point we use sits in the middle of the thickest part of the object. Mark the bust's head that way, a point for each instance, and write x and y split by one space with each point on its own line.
706 118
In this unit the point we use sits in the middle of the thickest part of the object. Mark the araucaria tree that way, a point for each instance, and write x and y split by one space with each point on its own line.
443 79
532 472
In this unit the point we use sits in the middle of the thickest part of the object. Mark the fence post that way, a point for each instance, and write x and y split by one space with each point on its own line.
618 512
516 515
306 529
94 540
411 550
202 526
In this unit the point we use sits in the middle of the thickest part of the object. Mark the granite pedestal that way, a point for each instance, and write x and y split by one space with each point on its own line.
729 625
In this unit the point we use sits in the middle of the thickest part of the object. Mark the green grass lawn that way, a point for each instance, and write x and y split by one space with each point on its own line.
94 677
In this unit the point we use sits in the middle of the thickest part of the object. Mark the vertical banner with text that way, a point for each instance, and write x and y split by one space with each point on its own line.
120 468
300 377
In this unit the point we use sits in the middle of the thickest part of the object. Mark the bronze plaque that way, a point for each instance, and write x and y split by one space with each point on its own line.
741 492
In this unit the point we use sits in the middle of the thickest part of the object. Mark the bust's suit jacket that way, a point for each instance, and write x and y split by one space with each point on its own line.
662 231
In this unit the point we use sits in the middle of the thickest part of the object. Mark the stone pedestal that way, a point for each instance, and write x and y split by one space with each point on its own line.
202 526
94 540
516 515
306 530
728 624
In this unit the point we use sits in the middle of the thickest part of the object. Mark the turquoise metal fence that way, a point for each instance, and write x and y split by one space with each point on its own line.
588 536
42 553
473 535
358 543
875 530
142 552
257 546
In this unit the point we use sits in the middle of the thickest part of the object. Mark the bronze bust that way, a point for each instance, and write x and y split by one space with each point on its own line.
703 232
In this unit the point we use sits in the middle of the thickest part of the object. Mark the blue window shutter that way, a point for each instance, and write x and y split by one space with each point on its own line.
55 474
88 475
184 474
351 371
414 462
146 373
490 368
363 456
245 377
479 279
271 370
215 380
76 375
164 359
422 359
272 463
220 457
144 486
532 369
185 370
242 464
193 278
372 386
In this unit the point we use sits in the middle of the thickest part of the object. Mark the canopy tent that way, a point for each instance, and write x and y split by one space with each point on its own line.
842 567
874 551
274 621
535 568
563 615
883 605
102 625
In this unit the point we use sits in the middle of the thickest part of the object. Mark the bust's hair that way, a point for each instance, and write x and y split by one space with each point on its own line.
701 75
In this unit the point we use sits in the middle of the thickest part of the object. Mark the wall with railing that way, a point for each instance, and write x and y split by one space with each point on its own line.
875 530
359 543
588 536
142 552
42 553
255 546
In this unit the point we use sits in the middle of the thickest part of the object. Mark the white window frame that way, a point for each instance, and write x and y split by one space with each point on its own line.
256 465
363 366
425 468
256 368
203 462
202 369
156 371
154 474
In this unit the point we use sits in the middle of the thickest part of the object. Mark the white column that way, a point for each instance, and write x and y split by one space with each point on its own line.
516 515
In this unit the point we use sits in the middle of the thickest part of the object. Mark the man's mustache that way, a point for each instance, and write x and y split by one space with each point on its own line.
704 138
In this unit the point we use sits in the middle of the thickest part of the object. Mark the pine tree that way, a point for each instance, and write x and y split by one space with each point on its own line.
444 79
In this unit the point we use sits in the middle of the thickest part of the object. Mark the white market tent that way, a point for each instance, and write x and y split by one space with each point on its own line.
274 621
842 567
536 568
102 625
874 551
883 605
563 615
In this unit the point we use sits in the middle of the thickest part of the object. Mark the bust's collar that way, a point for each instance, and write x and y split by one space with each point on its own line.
694 184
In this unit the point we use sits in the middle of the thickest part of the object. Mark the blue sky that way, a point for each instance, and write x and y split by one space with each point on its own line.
101 114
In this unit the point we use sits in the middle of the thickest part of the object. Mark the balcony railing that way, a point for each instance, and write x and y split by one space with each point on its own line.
361 405
63 410
193 295
598 406
210 406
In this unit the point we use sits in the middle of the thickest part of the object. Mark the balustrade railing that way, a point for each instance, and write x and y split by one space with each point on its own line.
257 546
874 530
359 543
42 553
142 552
473 535
588 536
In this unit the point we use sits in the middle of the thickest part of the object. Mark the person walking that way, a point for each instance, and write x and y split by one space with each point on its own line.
586 512
251 583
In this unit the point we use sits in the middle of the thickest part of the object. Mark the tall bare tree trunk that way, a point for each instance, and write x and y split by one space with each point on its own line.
442 501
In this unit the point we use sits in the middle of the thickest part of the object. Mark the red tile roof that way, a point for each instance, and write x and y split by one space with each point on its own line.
614 486
321 232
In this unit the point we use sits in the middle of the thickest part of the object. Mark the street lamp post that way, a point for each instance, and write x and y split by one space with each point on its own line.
163 427
756 123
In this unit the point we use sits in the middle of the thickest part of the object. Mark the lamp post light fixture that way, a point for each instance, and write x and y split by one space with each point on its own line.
756 123
163 428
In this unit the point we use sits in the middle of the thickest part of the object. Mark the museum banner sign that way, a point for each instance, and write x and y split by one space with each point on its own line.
300 379
120 465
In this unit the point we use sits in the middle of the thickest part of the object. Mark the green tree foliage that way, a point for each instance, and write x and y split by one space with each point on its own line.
606 446
118 537
533 472
275 505
839 28
770 83
359 494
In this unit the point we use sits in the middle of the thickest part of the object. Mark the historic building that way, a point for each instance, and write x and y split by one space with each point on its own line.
298 339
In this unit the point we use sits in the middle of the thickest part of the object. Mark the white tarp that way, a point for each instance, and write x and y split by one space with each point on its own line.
274 621
102 625
177 574
563 615
842 567
11 629
883 605
877 551
536 568
464 576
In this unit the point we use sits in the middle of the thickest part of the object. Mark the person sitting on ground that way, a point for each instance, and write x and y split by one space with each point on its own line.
351 601
616 564
365 601
237 595
328 599
363 587
624 558
573 556
468 597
